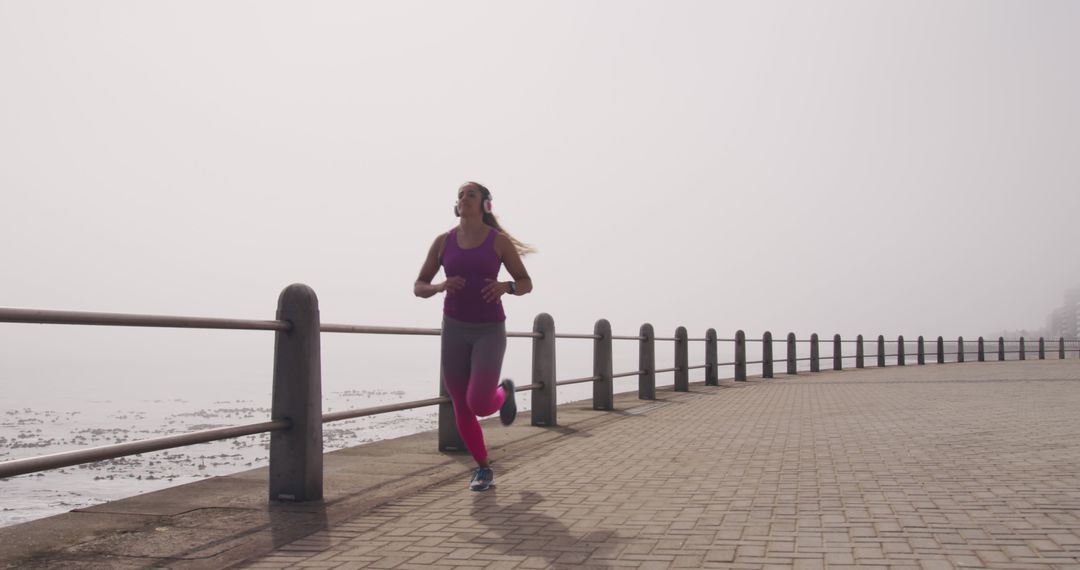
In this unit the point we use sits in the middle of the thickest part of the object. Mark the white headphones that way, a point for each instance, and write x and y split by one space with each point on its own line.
485 205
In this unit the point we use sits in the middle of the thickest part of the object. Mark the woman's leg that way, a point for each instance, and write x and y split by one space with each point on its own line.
484 395
457 367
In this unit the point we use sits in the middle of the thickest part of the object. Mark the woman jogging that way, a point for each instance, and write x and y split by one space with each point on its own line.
473 328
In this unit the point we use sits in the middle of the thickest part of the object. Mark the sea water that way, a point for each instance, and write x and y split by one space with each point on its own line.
66 424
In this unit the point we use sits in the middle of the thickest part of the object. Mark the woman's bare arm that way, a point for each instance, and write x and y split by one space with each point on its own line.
512 260
423 286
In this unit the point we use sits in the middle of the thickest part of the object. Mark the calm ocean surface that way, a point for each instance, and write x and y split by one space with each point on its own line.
67 424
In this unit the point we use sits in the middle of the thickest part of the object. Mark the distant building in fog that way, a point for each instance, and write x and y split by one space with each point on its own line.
1064 321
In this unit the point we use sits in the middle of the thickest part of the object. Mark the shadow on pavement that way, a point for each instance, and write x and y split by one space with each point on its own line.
287 527
518 526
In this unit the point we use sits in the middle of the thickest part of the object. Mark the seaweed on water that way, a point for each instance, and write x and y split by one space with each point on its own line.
197 427
101 431
199 414
369 393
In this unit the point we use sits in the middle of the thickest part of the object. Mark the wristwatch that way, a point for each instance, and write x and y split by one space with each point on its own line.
513 287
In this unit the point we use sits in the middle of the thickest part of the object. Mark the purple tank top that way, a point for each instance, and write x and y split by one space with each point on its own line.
475 265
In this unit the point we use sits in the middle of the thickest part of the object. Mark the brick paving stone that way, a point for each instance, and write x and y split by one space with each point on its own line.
502 565
936 466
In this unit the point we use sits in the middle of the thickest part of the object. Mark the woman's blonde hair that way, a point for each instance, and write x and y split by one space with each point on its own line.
490 219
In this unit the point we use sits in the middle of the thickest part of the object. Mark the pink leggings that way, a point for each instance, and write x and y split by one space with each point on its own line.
472 355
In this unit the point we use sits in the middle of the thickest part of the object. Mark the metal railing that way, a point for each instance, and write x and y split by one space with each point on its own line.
295 425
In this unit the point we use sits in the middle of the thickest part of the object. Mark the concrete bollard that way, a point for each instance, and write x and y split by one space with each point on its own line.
682 361
296 454
544 400
740 356
837 353
960 349
766 355
647 363
982 350
1023 349
712 363
860 355
940 350
815 356
603 394
881 351
920 351
1001 348
791 360
1042 348
1061 348
900 360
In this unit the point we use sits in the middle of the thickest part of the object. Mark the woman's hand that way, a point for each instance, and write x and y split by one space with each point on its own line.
452 284
493 290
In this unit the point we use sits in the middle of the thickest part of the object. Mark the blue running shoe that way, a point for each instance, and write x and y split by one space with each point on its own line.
508 411
483 479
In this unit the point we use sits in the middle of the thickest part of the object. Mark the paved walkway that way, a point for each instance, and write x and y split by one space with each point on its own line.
938 466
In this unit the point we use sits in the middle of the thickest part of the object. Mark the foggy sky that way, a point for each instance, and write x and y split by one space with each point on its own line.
852 167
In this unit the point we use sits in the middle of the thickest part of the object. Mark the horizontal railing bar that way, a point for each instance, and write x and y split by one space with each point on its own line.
697 367
78 456
726 363
48 316
368 329
45 316
365 329
873 340
755 362
624 374
667 338
350 414
663 370
577 381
